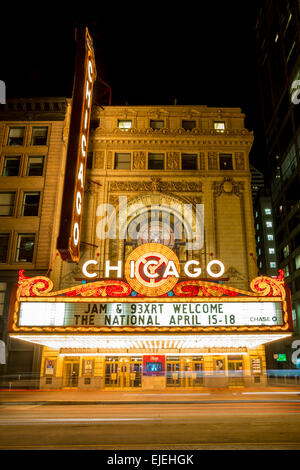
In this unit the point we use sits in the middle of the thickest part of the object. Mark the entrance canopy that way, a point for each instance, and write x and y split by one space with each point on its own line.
108 316
142 344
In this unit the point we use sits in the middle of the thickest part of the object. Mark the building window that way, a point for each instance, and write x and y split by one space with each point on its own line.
286 270
25 247
157 124
156 161
11 166
3 287
39 135
35 166
30 206
259 251
286 251
297 261
272 264
268 211
257 227
124 124
269 224
258 238
16 136
7 202
256 214
4 240
219 126
188 125
270 237
272 251
225 161
122 161
188 161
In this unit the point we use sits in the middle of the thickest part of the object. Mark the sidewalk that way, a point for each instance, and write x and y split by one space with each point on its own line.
82 397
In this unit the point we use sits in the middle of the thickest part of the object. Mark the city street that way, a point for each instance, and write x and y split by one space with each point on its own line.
232 421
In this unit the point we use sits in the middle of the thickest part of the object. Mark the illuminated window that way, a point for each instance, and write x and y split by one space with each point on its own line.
4 240
188 125
11 166
297 261
270 237
256 214
188 161
157 124
16 136
39 135
35 166
258 239
268 211
7 202
225 161
219 126
286 270
272 264
25 247
124 124
3 286
272 251
30 206
286 251
122 161
156 161
257 226
269 224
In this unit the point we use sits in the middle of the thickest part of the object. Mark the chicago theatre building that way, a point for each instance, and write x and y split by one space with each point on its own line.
165 293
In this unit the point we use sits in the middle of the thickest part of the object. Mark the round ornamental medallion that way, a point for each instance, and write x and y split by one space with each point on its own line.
150 269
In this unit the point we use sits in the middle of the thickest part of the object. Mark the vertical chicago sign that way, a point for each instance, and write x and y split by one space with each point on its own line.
68 243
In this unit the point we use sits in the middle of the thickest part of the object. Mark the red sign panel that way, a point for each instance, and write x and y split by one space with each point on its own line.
154 365
68 243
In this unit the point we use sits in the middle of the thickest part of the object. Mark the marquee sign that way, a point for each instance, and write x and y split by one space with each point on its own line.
113 306
68 243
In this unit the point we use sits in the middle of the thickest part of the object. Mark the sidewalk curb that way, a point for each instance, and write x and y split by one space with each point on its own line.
141 402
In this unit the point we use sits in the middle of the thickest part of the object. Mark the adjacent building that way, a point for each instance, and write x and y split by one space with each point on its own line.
33 137
278 46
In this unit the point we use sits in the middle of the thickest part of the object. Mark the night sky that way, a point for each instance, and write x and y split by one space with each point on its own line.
148 55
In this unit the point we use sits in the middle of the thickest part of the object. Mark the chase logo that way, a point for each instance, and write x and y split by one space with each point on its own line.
2 92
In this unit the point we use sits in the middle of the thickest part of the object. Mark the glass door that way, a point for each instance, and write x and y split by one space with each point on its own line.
71 374
235 372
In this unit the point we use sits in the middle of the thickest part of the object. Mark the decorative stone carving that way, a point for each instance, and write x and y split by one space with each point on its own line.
229 187
172 160
239 161
212 161
202 161
155 185
109 164
99 160
139 160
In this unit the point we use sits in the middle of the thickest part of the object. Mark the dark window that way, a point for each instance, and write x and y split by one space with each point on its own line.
7 202
89 160
226 161
156 161
25 247
188 161
156 124
16 136
39 135
30 205
188 125
35 166
122 161
4 240
11 166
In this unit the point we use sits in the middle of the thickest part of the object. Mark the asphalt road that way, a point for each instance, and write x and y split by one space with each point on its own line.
223 425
